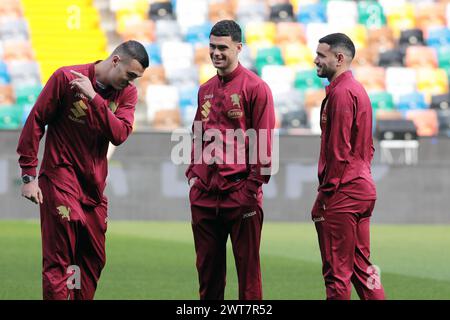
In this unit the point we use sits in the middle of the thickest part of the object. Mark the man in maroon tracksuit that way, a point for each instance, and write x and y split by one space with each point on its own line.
226 194
84 108
347 192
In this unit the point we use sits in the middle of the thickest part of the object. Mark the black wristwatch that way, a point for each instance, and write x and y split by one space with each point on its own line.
26 178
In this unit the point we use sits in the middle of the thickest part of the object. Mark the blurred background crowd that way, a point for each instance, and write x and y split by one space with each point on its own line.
402 59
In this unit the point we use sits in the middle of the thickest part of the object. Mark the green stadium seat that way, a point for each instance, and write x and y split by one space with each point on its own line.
10 117
307 79
443 54
27 95
381 100
268 56
371 14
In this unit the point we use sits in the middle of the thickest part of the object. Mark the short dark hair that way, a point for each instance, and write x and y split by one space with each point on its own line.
225 28
339 40
134 50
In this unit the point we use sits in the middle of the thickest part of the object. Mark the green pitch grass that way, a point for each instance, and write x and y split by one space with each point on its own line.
156 260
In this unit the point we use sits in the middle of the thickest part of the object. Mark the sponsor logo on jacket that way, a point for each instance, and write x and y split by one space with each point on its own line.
236 112
78 111
206 108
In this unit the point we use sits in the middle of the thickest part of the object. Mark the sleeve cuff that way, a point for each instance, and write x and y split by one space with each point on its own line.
29 171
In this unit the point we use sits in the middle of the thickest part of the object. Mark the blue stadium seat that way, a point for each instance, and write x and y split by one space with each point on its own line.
188 104
411 101
26 111
312 13
154 53
198 34
438 37
4 74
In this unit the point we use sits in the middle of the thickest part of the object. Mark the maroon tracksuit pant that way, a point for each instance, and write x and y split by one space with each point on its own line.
214 217
73 240
342 225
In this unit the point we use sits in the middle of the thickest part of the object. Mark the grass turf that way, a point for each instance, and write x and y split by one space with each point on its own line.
156 260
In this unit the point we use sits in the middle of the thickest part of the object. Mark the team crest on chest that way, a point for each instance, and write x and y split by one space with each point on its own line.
236 112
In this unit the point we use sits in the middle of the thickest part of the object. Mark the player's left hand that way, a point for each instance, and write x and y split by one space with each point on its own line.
82 84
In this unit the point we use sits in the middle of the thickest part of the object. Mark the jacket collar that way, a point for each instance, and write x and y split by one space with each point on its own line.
340 78
231 75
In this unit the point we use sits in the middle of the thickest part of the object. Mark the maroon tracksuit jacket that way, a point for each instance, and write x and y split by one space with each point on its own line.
222 198
239 100
73 171
346 143
347 192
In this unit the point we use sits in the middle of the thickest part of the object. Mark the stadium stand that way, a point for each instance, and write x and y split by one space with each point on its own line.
403 53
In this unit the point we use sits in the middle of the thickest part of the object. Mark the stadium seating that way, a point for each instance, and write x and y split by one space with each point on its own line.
250 12
432 81
6 94
342 13
281 12
400 17
191 13
365 57
198 34
56 26
296 54
220 11
10 117
307 79
314 12
426 122
440 102
278 77
402 57
430 15
371 77
167 30
437 37
400 81
4 74
421 57
411 101
371 14
188 104
381 39
260 32
268 56
289 32
161 11
444 123
160 98
381 100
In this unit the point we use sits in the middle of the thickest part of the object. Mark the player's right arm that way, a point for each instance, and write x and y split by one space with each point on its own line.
41 114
